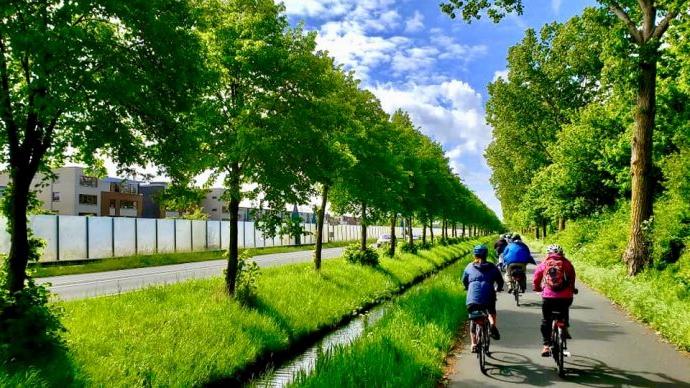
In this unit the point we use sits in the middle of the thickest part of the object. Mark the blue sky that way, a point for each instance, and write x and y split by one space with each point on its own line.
414 57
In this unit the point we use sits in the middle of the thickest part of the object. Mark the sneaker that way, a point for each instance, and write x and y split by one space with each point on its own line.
546 351
474 349
495 334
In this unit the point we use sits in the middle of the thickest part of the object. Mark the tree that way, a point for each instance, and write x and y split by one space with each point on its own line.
266 73
367 188
97 76
645 23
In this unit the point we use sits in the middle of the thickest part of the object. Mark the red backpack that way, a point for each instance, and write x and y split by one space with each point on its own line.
555 276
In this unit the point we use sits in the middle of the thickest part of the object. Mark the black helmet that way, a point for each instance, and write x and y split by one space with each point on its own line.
516 237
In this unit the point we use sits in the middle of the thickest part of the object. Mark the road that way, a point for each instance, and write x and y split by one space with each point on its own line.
608 349
113 282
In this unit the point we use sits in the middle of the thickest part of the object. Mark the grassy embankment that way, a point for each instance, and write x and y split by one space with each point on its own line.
142 261
190 333
407 347
660 295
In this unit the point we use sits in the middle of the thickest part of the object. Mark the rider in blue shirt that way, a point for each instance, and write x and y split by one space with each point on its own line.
479 278
516 256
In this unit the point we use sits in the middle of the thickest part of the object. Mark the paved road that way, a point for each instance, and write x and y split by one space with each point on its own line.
608 350
113 282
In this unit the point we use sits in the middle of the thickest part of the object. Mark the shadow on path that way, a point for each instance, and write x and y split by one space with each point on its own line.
513 368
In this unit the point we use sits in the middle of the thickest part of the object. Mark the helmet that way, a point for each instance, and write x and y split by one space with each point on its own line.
516 237
481 251
554 248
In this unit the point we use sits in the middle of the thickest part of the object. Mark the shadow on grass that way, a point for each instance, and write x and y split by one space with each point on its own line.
54 369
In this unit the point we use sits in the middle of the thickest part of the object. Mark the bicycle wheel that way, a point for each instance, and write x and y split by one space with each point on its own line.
559 355
481 356
516 292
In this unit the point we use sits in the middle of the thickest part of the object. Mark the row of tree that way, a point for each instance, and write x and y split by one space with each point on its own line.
226 86
593 111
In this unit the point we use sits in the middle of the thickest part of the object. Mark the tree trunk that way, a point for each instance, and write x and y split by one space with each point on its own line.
463 231
543 227
561 224
536 231
409 229
321 217
391 250
424 232
636 254
233 249
19 249
431 229
364 228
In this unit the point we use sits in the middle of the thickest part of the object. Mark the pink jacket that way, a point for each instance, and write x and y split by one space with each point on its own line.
537 282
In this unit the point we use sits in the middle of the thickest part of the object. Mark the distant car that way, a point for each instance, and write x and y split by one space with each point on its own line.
383 240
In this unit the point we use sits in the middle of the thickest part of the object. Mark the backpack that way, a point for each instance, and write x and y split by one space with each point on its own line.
555 277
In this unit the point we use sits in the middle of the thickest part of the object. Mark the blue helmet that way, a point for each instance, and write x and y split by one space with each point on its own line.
481 251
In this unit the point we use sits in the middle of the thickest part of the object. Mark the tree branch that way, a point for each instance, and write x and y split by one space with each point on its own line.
664 24
632 28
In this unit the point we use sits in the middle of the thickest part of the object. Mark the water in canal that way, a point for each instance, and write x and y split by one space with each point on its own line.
306 362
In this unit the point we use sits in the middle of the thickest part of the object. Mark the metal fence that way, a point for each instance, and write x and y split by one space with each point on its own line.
85 238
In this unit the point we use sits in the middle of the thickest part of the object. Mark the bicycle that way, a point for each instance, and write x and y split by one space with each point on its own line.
516 281
559 345
480 322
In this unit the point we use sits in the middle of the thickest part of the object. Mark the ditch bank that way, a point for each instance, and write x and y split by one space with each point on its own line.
268 362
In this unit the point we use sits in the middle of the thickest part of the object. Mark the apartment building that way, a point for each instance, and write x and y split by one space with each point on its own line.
73 192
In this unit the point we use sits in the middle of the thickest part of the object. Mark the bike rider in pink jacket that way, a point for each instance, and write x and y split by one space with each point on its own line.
555 279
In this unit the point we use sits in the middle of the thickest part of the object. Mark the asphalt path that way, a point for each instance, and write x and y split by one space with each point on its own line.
114 282
608 349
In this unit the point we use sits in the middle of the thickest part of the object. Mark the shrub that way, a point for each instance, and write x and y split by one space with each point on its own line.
406 247
247 275
29 326
355 255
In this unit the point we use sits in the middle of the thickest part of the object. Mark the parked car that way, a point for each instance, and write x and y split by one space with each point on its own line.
384 239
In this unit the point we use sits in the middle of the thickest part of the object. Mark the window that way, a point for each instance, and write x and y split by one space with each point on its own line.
88 181
56 196
86 199
112 204
127 205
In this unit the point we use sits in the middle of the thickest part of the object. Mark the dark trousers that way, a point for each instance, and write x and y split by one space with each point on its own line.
548 306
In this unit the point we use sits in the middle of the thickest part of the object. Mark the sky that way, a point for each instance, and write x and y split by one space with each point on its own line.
412 56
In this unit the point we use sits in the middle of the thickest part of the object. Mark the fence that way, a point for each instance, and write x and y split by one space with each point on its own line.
84 238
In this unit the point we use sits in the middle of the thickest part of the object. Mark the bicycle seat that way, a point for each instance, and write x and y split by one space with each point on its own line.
478 315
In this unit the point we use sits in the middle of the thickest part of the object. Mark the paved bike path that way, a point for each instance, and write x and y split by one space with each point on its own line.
608 349
114 282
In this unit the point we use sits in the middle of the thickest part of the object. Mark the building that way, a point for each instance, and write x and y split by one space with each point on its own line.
73 192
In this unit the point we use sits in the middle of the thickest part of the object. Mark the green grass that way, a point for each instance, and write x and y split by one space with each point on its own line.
659 296
117 263
190 333
407 347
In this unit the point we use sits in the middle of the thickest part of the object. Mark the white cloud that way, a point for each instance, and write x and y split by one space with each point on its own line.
502 74
450 112
415 23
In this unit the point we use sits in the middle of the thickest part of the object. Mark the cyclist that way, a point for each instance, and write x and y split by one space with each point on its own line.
479 278
516 256
499 246
555 279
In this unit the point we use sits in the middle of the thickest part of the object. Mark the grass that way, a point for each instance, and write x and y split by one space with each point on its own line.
659 296
407 347
190 333
117 263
